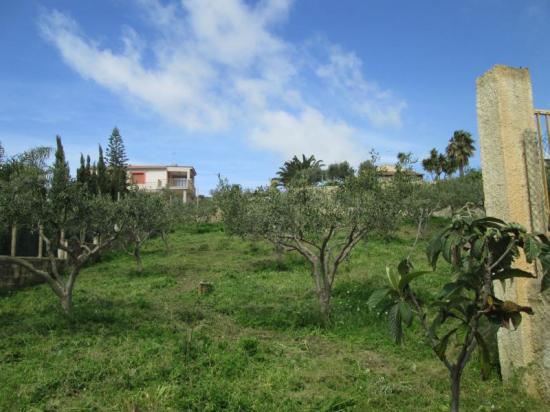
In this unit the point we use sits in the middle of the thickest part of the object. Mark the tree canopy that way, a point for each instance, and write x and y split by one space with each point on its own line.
323 224
306 168
65 216
460 149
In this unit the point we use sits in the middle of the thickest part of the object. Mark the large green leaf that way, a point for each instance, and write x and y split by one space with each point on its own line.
450 246
447 246
484 356
545 283
512 273
434 250
406 313
436 323
478 248
441 348
377 297
407 278
489 222
532 249
545 261
394 318
393 278
452 287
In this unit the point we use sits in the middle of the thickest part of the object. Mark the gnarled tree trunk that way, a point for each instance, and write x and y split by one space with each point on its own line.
67 301
323 288
137 256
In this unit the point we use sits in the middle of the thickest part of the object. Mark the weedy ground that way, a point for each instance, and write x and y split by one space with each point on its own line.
150 342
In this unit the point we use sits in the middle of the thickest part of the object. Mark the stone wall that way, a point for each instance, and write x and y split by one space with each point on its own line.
14 277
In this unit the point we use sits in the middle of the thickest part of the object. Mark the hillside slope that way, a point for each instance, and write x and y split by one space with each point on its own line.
149 342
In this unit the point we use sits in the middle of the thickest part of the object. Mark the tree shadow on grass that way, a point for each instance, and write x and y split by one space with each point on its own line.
285 263
283 317
89 315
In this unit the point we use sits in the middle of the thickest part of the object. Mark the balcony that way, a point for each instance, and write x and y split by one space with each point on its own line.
177 183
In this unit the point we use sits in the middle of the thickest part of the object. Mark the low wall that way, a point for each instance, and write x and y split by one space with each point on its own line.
13 277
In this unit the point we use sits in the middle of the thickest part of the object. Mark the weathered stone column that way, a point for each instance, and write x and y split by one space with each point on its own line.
13 247
40 241
513 184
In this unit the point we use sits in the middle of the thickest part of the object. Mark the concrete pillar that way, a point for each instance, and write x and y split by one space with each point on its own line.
40 242
61 254
13 248
513 186
184 195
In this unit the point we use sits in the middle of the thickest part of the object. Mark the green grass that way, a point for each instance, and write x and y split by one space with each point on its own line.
149 342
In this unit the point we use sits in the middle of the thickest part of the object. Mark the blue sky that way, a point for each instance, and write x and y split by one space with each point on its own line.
236 87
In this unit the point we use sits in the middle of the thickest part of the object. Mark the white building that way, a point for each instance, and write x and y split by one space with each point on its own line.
178 179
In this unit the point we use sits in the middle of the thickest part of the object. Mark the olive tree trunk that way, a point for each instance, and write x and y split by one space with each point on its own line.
137 256
455 375
324 261
323 288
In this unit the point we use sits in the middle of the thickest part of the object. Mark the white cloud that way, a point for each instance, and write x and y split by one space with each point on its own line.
343 72
218 63
307 132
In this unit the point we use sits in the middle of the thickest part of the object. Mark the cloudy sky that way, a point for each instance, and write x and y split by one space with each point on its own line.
237 86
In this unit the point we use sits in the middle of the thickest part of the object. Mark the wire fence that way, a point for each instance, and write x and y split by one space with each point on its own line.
542 118
537 160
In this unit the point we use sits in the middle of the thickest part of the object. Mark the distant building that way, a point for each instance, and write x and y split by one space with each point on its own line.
178 179
387 172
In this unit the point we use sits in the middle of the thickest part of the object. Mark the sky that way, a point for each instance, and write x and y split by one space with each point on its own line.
236 87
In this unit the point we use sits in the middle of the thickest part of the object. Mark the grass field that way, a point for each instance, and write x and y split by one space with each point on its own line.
149 342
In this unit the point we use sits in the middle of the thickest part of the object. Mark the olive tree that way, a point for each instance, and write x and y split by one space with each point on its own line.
23 181
480 252
24 198
460 194
457 192
323 224
146 214
197 213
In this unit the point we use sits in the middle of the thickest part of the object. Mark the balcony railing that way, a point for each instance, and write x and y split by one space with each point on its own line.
178 182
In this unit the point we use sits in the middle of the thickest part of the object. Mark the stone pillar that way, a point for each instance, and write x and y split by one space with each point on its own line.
13 246
61 254
513 182
40 242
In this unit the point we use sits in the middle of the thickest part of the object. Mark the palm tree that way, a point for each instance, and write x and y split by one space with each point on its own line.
295 167
405 160
461 148
434 163
449 165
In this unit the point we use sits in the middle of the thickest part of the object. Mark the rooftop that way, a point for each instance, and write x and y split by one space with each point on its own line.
158 166
390 170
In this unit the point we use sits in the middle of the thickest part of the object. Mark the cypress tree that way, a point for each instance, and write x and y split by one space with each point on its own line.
61 173
103 186
118 164
61 176
81 171
88 170
93 179
2 153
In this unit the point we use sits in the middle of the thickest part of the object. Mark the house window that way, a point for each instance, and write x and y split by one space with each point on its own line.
138 178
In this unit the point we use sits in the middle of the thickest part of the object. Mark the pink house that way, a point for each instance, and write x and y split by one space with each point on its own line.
178 179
